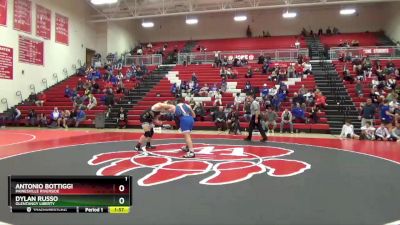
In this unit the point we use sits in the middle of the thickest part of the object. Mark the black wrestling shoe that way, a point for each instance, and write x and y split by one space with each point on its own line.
138 149
189 155
185 148
264 139
150 147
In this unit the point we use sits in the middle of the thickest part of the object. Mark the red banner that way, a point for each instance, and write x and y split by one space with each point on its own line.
6 63
43 22
3 12
31 51
61 29
23 15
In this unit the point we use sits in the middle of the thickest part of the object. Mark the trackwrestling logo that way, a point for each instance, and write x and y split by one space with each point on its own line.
228 164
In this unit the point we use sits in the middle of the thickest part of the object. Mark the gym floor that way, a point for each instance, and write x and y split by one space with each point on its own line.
291 179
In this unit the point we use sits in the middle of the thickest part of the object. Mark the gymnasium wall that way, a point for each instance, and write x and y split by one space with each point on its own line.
392 27
56 56
212 26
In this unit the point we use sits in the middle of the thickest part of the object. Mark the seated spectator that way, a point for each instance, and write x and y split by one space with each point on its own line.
314 114
335 30
281 74
32 118
307 68
347 76
42 120
95 87
248 89
231 74
246 109
328 31
149 45
270 118
297 44
265 68
382 133
92 102
391 83
66 116
276 103
67 92
297 99
217 98
224 85
249 73
120 87
80 116
233 122
348 130
199 111
55 117
359 89
299 114
309 97
16 115
320 101
122 119
367 132
204 90
41 99
274 76
244 61
286 118
32 98
196 89
355 43
291 72
220 119
303 90
396 132
264 91
174 89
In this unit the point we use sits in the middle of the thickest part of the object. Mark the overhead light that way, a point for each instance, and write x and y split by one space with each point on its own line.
147 24
240 18
191 21
288 14
102 2
347 11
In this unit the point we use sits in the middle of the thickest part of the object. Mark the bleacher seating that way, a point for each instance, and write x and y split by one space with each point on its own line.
209 75
365 39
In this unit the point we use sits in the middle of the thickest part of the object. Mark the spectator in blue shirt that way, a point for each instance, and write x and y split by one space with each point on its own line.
386 115
264 91
80 116
298 113
68 92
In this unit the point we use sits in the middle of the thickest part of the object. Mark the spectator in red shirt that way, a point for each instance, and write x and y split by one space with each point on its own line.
41 99
320 101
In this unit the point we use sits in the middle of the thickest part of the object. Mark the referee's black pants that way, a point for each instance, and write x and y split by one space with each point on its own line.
253 124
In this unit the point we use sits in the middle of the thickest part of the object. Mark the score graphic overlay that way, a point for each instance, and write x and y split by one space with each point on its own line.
69 194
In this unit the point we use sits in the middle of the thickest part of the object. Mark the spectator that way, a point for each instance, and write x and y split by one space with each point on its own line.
220 119
359 89
302 90
386 114
67 92
307 68
95 87
287 118
392 96
199 110
249 73
80 116
320 32
367 132
122 120
264 91
32 98
273 77
270 119
204 90
347 76
382 133
314 114
120 87
335 30
237 101
174 89
348 131
66 115
246 109
32 118
248 88
109 99
291 71
297 99
299 114
276 102
55 117
396 132
328 31
320 101
222 72
233 122
297 44
79 85
217 98
42 120
265 67
41 99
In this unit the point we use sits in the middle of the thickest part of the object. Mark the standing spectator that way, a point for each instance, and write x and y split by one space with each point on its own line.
382 133
287 118
348 131
386 115
359 89
368 111
218 99
122 120
80 116
367 132
255 120
41 99
237 101
32 118
270 119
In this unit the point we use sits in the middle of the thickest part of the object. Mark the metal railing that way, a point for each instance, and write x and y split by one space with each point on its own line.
55 76
374 52
44 81
19 94
250 55
4 102
155 59
65 72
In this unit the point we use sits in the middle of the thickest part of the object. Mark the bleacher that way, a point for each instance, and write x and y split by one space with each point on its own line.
209 75
364 39
366 83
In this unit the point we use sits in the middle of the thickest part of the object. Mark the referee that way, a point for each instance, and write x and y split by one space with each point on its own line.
255 120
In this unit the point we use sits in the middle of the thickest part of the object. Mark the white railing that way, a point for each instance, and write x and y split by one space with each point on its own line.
251 55
377 52
155 59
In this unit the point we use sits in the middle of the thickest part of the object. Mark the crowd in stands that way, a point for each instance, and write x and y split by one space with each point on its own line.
104 82
228 116
320 32
383 98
